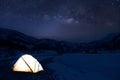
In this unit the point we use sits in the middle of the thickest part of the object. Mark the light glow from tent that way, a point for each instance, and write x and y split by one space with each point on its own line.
27 63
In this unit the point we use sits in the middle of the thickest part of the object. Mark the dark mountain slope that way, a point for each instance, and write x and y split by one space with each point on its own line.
16 40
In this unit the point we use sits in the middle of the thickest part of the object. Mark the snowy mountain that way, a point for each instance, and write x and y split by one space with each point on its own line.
16 40
110 43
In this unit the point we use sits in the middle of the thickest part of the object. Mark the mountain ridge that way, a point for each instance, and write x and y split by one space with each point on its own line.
17 40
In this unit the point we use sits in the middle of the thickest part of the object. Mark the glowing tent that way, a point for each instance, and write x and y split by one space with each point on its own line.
27 63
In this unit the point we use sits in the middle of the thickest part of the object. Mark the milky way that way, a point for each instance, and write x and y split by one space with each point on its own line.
70 20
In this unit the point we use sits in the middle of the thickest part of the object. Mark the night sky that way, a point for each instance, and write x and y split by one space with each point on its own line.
69 20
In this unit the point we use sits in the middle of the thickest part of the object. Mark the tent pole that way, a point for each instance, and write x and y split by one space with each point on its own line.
27 64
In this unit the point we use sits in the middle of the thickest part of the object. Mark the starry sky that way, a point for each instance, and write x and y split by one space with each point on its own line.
69 20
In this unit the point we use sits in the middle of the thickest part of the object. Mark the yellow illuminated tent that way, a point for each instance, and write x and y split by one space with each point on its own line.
27 63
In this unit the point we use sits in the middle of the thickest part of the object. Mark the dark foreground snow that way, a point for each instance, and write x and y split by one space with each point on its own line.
67 67
87 67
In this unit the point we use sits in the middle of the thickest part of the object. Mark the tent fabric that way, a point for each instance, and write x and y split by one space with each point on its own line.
27 63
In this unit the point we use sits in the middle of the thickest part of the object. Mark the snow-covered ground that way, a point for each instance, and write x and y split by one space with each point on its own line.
68 67
87 67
